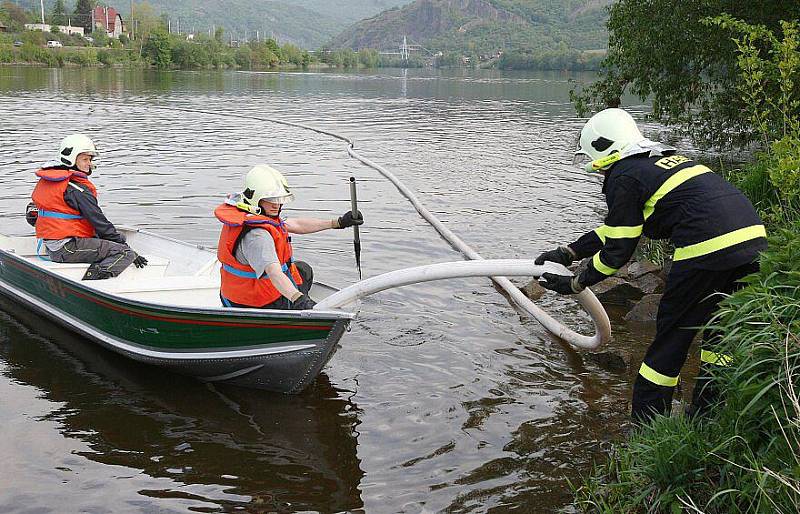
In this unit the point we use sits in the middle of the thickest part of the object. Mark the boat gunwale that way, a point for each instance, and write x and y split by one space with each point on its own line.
225 312
142 353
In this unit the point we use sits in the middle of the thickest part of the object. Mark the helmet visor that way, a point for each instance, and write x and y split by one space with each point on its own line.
280 200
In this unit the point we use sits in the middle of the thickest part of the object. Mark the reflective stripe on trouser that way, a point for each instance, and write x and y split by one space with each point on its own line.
721 242
108 255
688 302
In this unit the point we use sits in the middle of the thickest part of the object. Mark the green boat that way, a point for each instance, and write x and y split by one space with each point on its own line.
169 314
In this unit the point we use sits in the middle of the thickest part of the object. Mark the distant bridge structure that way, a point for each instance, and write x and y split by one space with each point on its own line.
405 49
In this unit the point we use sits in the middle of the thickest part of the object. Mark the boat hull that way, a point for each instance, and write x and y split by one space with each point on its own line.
275 350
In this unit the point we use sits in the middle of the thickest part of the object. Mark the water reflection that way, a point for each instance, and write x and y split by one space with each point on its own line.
208 446
462 405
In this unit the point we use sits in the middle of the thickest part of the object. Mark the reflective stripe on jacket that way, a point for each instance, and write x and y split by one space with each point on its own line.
240 283
710 222
57 219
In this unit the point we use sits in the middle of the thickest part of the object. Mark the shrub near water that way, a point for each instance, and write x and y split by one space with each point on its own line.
746 456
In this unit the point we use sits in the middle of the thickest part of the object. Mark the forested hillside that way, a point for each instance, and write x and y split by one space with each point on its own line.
471 26
307 23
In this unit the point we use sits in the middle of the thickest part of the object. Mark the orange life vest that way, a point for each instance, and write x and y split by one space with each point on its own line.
57 220
239 282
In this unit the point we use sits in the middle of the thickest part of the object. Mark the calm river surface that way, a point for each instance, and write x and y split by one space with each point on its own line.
442 398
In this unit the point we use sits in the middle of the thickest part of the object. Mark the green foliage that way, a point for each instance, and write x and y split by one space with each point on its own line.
101 39
746 456
770 69
561 59
668 52
14 16
6 53
58 15
82 15
369 58
31 52
480 29
105 57
157 49
87 57
244 57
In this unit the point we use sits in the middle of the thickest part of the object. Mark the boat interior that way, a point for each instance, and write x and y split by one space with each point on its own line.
177 273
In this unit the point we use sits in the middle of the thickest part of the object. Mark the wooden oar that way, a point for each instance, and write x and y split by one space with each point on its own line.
356 237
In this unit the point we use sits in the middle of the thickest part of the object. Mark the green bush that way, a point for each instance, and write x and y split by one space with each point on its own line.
6 53
105 57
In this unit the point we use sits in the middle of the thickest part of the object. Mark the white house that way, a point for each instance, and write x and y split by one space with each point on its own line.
44 27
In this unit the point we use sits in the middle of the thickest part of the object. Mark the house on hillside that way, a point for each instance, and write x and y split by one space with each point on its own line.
3 28
64 29
108 19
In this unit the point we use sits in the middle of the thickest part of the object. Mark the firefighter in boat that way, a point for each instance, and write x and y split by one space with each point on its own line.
255 249
68 220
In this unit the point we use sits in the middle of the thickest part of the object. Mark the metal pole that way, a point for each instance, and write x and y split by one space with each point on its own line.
356 236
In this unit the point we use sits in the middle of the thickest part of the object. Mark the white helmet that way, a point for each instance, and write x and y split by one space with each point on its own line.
264 183
605 136
74 145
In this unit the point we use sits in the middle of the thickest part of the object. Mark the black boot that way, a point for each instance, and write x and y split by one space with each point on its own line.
95 272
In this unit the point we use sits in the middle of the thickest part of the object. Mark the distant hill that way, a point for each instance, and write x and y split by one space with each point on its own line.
476 26
307 23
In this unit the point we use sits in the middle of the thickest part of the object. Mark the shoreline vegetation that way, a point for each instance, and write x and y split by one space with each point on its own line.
269 56
162 50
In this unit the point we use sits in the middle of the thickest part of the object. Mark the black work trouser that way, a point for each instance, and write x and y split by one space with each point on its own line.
690 299
108 256
306 273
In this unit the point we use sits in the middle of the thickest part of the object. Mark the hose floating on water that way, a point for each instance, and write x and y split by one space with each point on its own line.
586 298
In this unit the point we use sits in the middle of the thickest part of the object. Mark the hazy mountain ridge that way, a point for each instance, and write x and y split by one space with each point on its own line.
484 25
308 23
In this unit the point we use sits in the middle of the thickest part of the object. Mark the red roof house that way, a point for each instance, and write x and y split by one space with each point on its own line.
108 19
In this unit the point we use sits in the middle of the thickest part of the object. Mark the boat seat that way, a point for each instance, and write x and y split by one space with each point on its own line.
156 266
144 285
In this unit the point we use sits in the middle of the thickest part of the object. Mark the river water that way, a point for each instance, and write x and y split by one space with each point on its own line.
442 397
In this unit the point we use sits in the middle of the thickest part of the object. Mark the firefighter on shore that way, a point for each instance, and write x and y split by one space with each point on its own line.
68 220
255 249
654 191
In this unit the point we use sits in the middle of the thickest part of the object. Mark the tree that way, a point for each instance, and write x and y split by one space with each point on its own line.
158 48
669 52
17 16
144 20
82 16
59 15
219 32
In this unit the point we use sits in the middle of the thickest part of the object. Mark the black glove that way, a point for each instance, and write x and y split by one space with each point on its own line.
31 214
560 255
348 220
140 261
561 284
304 303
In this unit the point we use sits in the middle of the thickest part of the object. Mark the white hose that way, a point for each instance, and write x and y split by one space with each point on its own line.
602 325
474 268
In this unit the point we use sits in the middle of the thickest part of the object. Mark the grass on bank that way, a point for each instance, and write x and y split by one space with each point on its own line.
745 457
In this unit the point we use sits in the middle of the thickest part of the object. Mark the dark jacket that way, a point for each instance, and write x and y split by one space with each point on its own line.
82 200
688 204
